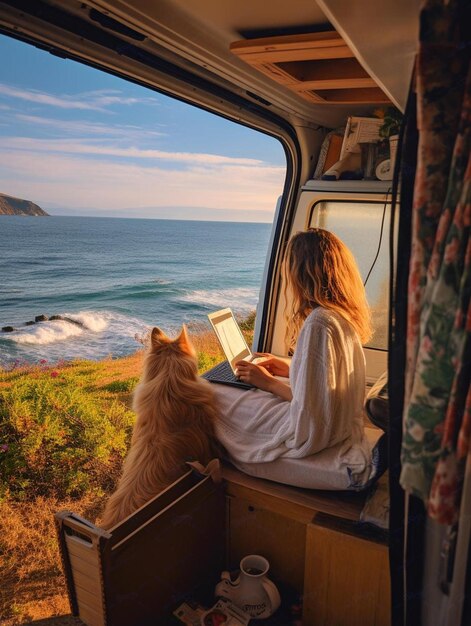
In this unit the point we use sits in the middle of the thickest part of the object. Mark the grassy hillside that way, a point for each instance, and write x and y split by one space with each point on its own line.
64 432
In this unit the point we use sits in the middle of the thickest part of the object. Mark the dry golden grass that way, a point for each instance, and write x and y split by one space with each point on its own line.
33 586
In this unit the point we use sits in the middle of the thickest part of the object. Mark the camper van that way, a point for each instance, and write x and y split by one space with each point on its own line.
297 71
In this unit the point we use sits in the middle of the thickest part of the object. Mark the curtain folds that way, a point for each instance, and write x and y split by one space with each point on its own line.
437 408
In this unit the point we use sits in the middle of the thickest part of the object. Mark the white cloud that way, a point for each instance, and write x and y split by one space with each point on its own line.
91 100
84 127
48 146
64 180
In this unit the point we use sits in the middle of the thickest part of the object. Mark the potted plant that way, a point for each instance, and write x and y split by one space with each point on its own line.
389 129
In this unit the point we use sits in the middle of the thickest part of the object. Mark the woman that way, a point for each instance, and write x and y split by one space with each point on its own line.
327 322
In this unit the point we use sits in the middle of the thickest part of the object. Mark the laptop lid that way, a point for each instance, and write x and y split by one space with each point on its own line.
230 337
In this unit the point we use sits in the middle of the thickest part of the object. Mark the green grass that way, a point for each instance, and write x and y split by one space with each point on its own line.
61 434
122 386
65 428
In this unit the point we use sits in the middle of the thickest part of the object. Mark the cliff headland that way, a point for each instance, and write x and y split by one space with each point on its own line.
16 206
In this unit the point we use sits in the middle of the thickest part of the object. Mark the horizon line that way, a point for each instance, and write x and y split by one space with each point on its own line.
162 219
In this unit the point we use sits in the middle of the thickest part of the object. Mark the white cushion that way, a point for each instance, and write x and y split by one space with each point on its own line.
342 467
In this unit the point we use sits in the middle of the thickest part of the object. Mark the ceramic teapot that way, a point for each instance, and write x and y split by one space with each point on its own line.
252 591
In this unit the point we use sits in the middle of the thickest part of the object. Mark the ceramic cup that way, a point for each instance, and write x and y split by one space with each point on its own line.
252 591
254 565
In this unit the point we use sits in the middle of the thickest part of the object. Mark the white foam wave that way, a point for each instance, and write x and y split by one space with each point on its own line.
91 320
46 332
243 299
52 331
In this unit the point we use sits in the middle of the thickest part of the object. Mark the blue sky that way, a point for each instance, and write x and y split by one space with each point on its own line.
81 142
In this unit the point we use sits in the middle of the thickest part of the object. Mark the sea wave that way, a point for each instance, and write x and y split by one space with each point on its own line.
162 281
91 320
52 331
241 299
45 332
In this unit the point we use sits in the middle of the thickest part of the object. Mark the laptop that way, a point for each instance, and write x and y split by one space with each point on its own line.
234 346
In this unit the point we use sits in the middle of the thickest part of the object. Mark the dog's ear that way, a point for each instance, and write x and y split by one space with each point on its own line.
158 337
184 341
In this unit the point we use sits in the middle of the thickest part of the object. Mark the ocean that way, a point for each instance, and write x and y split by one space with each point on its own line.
113 279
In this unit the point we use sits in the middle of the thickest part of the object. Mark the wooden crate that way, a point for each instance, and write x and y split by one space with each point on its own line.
141 570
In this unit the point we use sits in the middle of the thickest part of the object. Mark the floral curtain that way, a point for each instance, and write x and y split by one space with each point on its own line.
437 409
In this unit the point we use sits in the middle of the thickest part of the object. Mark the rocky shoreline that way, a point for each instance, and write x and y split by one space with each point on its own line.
43 318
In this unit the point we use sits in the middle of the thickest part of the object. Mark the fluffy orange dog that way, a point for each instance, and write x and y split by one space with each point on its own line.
175 416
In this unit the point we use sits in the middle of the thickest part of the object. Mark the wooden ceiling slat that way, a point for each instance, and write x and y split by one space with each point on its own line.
333 83
311 63
286 56
288 42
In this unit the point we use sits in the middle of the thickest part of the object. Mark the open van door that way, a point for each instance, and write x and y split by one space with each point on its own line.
193 51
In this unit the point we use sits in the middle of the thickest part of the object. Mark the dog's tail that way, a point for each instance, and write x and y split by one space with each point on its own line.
137 485
147 470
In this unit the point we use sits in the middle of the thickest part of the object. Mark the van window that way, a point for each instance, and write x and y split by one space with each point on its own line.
364 228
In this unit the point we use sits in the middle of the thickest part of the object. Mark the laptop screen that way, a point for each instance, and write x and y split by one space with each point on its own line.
230 336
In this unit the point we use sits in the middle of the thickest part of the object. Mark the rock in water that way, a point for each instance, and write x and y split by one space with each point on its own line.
41 318
66 319
71 321
8 329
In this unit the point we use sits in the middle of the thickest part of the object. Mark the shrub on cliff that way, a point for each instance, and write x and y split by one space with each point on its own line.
59 436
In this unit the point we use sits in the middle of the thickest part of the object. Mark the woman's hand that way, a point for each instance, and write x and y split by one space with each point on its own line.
255 375
273 364
258 376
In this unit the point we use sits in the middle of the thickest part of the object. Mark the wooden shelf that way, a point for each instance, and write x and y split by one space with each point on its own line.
319 67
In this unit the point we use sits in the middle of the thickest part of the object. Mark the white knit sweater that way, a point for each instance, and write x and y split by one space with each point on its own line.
327 378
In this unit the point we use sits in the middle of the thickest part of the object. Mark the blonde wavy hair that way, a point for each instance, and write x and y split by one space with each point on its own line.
319 270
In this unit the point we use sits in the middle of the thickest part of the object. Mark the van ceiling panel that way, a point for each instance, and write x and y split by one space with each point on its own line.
194 35
383 35
200 32
233 17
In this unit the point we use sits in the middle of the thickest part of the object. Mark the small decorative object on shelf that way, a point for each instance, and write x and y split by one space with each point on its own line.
383 170
375 161
359 130
357 158
252 591
348 168
330 152
389 132
392 120
368 149
369 160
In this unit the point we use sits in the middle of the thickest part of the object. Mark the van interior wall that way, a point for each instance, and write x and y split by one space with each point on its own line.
309 138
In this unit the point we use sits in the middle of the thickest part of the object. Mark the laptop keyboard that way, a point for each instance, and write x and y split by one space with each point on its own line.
222 373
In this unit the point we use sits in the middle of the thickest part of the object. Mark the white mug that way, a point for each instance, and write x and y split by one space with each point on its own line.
252 591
